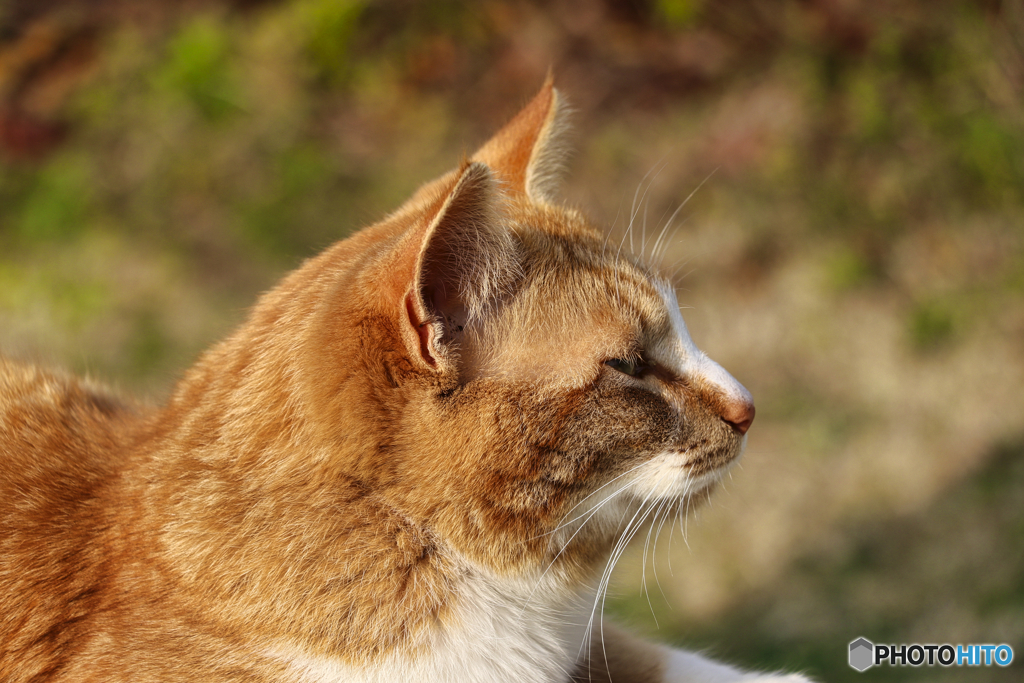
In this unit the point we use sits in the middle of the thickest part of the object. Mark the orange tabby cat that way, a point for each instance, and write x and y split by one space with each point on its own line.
409 464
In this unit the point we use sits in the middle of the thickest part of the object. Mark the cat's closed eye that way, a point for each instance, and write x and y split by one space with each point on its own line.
633 368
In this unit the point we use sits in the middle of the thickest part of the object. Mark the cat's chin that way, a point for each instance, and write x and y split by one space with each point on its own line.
678 475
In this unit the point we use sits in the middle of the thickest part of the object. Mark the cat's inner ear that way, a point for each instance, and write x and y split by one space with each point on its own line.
527 155
466 260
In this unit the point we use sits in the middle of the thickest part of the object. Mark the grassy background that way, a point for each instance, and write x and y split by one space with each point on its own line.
855 254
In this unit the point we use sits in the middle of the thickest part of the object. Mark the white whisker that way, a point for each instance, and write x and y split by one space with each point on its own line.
562 523
631 531
654 551
603 584
643 565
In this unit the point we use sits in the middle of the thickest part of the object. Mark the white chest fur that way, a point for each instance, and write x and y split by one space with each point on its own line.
502 630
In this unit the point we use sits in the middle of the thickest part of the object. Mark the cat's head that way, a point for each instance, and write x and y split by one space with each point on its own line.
487 363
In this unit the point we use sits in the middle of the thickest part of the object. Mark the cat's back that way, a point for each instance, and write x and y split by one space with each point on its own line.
59 435
61 446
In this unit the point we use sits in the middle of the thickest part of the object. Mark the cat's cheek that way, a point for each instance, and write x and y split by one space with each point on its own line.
637 420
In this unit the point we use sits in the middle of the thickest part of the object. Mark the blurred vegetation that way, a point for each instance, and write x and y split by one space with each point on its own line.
859 244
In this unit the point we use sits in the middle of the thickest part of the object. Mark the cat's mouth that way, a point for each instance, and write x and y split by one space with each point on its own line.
682 473
714 462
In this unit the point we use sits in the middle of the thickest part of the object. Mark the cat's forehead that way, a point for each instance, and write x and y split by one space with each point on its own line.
581 300
565 251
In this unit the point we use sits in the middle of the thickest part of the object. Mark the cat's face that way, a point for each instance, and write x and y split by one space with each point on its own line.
584 394
491 366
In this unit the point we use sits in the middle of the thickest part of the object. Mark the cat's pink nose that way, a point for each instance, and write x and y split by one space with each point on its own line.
739 413
732 401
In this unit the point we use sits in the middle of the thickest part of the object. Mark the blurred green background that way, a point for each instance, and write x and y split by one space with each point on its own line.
855 254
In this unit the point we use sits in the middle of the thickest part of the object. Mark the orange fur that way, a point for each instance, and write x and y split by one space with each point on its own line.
413 412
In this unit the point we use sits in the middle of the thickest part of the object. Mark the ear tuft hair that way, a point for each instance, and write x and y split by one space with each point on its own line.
468 257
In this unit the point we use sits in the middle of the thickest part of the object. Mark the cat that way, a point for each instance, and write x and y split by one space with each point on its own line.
410 463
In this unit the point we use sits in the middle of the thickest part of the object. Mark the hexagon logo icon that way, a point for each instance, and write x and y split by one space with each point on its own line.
862 654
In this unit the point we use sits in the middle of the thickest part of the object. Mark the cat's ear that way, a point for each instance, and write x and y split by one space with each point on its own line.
526 155
466 259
